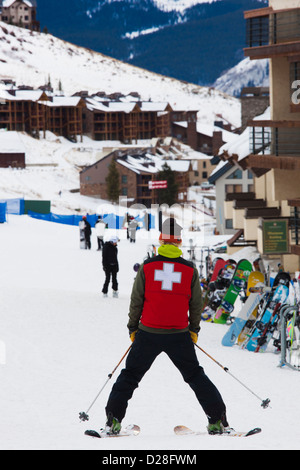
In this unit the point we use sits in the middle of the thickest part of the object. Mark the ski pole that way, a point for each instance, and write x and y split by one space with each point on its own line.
264 403
83 415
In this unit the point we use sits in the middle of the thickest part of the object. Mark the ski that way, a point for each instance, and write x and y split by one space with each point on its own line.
185 431
130 430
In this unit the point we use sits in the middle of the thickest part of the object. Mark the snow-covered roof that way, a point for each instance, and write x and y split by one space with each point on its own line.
240 145
118 107
208 130
112 106
10 142
63 101
21 95
219 171
8 3
152 164
153 106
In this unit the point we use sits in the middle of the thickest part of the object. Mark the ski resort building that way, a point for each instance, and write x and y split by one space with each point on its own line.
270 146
126 121
137 169
12 150
21 13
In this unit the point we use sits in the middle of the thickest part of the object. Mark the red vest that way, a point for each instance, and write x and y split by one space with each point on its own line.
167 293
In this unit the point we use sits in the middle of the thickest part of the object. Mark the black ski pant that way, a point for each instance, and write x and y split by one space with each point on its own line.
87 242
110 273
181 350
100 243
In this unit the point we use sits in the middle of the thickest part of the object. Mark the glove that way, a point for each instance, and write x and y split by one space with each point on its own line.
194 336
132 335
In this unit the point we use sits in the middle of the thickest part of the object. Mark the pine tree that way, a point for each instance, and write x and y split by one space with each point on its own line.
112 182
170 194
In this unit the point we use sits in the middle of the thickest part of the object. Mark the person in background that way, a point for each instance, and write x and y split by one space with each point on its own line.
100 229
110 265
87 232
132 228
164 316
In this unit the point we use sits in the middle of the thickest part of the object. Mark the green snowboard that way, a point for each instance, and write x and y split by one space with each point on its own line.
238 282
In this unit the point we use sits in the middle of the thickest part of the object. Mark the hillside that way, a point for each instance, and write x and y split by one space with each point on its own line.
246 73
34 59
191 40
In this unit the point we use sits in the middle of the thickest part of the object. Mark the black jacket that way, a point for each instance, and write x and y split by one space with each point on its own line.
87 229
110 256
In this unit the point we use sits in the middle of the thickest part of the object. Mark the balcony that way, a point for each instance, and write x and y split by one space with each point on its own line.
275 144
272 33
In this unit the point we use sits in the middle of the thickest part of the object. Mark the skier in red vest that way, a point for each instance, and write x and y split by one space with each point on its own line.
164 316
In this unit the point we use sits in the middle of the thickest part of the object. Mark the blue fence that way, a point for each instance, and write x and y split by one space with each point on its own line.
3 212
17 207
14 206
112 220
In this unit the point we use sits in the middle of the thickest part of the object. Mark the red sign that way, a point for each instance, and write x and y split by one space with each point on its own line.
158 184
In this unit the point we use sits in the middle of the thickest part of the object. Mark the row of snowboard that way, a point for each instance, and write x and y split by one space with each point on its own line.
258 319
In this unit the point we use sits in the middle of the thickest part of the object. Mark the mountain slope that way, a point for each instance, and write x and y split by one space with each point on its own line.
246 73
189 40
33 59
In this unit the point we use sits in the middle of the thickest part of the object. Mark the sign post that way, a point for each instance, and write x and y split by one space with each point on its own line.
275 236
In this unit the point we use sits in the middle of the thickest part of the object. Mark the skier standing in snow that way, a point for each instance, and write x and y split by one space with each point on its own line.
164 316
110 265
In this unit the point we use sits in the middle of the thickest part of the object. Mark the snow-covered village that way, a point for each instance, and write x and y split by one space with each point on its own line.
149 240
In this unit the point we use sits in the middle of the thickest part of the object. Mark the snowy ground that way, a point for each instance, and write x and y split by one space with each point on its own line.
60 339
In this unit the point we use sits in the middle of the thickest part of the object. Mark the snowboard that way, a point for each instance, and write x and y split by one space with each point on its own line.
264 327
219 264
248 310
130 430
82 235
266 293
217 290
238 282
185 431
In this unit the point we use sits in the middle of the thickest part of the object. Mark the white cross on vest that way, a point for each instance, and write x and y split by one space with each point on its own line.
167 276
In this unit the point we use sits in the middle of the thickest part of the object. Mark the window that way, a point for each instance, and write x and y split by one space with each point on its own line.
124 191
236 175
228 223
124 179
233 188
204 174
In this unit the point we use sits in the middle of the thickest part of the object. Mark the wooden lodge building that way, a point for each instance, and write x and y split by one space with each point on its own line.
126 121
105 118
34 111
136 169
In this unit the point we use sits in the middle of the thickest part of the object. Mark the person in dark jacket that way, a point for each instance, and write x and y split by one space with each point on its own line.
110 265
87 233
164 316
